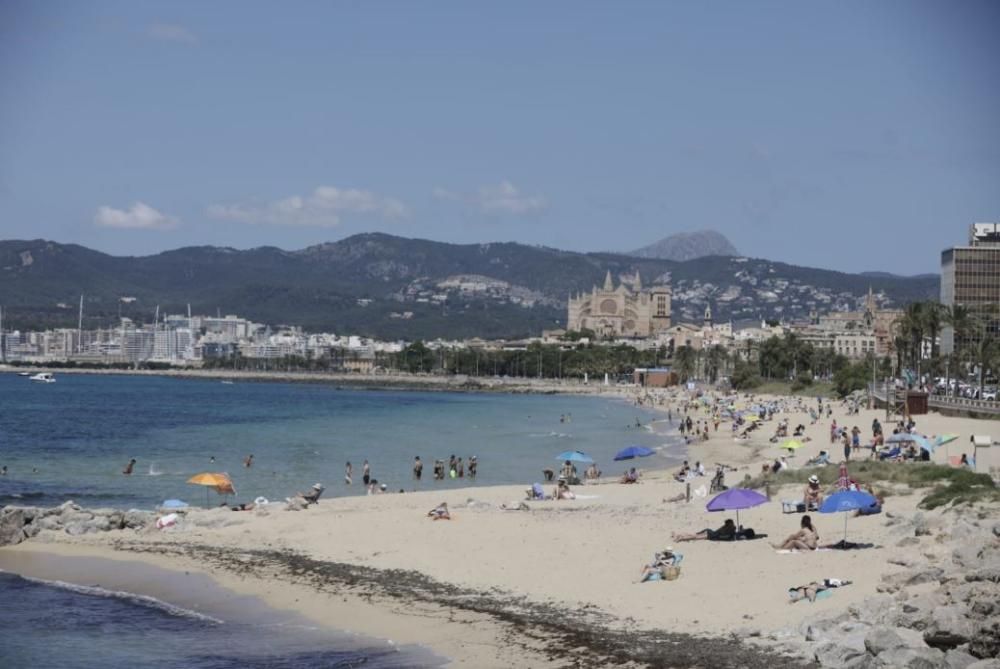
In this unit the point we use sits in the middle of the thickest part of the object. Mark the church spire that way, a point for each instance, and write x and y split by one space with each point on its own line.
638 281
608 284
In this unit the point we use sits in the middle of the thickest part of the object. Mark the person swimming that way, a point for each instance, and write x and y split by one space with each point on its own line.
129 467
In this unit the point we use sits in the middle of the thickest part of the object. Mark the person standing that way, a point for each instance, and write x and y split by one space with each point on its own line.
473 463
248 461
418 468
366 473
461 469
348 473
847 445
127 471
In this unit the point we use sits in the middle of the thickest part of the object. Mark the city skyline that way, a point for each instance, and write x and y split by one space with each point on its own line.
134 128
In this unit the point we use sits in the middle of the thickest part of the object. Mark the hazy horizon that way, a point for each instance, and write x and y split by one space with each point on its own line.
850 136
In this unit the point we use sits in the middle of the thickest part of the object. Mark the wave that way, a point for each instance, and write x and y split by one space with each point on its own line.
153 471
555 435
142 600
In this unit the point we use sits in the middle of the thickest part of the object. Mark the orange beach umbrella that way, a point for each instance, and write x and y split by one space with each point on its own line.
220 481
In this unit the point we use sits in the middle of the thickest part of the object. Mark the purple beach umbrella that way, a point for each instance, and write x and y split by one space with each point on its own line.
735 499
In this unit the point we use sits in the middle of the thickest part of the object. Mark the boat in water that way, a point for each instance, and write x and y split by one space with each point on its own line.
43 377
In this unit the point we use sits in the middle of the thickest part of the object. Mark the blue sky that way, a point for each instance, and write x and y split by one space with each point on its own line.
847 135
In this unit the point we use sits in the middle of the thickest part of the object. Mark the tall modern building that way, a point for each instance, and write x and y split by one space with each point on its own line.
970 277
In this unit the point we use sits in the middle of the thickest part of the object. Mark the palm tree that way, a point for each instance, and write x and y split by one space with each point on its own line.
715 358
684 361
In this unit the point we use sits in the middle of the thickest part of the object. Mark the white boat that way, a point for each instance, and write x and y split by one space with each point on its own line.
24 373
43 377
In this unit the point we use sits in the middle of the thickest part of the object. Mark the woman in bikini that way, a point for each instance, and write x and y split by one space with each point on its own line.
806 539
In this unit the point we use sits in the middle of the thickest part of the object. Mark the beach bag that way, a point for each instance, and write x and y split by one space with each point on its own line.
671 573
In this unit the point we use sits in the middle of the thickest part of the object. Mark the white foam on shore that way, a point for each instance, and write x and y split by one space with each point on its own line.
143 600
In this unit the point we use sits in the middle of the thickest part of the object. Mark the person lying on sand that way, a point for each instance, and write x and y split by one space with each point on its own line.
440 512
806 539
725 533
810 591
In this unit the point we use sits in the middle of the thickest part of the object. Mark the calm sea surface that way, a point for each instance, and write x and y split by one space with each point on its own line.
71 439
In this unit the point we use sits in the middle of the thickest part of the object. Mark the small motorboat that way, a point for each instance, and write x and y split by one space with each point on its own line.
43 377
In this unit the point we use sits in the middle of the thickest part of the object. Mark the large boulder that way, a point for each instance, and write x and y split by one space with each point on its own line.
912 658
134 519
882 638
950 627
833 654
986 639
992 663
958 659
11 526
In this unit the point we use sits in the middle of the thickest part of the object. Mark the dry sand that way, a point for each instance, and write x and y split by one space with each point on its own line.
556 585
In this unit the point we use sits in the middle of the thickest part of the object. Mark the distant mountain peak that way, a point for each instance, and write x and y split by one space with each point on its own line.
683 246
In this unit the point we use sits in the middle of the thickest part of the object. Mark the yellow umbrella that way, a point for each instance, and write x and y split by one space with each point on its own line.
221 482
792 444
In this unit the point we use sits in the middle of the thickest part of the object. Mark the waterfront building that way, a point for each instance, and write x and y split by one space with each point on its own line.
970 277
626 311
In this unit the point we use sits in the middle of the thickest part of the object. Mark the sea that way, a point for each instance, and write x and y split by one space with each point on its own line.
71 440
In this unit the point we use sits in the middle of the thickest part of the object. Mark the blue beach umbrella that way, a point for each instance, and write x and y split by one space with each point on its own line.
173 504
633 452
907 438
574 456
847 500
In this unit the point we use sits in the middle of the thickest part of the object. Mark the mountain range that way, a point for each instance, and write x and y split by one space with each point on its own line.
393 287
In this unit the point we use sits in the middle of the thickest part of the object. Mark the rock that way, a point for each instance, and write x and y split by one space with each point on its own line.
49 523
912 658
68 505
908 541
883 638
11 526
986 639
996 529
963 531
31 530
950 627
832 654
76 529
876 610
958 659
989 573
920 526
134 519
985 664
917 612
72 516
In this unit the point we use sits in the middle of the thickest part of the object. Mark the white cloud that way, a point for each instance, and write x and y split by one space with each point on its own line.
171 32
501 198
323 208
139 216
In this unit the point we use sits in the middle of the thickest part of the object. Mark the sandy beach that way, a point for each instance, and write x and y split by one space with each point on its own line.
556 585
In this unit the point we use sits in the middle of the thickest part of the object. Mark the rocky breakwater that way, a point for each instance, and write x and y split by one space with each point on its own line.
939 610
18 523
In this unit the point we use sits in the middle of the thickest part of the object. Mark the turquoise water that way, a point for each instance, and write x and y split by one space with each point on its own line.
71 439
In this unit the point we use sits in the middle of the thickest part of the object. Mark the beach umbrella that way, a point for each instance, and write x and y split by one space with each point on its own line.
220 481
735 499
943 439
173 504
847 500
907 438
633 452
574 456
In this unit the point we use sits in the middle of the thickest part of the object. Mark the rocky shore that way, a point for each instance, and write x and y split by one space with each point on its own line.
940 611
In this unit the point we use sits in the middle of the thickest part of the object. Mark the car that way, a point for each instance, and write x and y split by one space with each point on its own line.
990 394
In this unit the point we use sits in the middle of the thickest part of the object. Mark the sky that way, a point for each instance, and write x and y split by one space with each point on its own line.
853 135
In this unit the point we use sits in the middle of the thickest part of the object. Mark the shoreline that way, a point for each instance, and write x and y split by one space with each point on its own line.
402 608
415 382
